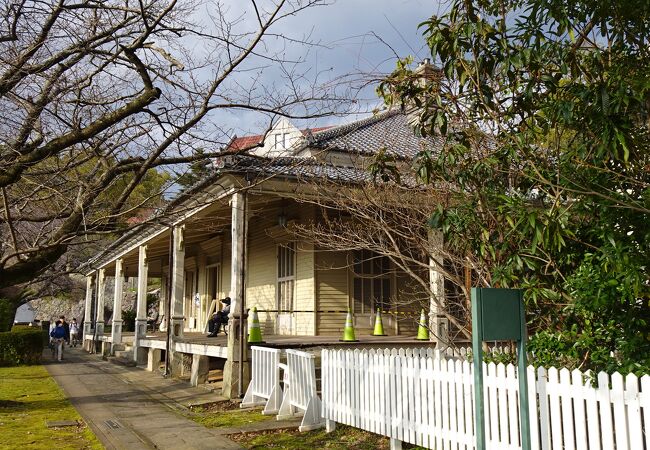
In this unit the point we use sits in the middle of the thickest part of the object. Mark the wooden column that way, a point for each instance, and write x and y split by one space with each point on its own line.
438 323
238 237
99 313
88 308
177 272
116 330
139 355
162 307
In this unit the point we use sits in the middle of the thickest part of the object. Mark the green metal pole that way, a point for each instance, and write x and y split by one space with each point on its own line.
477 351
524 416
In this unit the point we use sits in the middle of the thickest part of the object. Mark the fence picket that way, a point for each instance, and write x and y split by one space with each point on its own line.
555 411
564 391
577 391
513 405
493 415
502 404
417 394
460 403
532 409
468 379
393 408
605 408
437 406
593 421
544 417
644 401
617 396
633 411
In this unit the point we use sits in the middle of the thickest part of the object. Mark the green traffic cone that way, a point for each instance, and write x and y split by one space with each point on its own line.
423 331
254 331
348 331
379 327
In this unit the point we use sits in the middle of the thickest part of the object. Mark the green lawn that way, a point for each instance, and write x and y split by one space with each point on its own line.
28 398
213 416
227 414
342 438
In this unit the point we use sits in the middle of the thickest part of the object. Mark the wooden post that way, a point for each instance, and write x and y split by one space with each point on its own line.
116 330
162 306
477 354
139 355
238 226
438 323
99 313
177 273
88 318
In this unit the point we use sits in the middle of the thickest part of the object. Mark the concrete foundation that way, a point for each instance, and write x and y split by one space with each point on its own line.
153 359
231 369
105 348
141 356
200 369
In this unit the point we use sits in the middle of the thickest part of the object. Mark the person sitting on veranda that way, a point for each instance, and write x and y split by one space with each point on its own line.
151 320
219 318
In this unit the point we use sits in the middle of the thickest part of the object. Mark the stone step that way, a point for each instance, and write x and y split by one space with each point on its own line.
127 354
119 347
122 361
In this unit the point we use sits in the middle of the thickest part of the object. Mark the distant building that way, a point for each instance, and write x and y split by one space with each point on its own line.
25 314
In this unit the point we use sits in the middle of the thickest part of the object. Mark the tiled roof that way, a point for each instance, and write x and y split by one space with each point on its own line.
389 130
291 167
245 142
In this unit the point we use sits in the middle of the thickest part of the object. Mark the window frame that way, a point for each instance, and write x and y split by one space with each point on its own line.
286 258
371 272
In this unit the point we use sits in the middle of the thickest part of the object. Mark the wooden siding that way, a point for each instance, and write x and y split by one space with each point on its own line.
332 291
305 290
261 273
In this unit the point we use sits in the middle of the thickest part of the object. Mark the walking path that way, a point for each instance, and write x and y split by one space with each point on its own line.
129 408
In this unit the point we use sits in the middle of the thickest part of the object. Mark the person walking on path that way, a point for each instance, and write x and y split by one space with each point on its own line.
66 327
58 337
74 332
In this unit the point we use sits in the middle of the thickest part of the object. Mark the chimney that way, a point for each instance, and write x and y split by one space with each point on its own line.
426 73
426 79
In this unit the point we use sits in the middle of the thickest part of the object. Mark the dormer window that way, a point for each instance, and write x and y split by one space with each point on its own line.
281 141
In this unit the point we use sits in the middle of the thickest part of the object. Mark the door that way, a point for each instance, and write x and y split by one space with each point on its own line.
213 289
190 301
286 288
371 286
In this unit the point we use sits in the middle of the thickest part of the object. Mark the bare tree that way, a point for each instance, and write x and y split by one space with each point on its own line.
96 94
392 220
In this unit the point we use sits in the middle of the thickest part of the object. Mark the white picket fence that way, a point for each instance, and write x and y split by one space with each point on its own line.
427 399
264 388
300 394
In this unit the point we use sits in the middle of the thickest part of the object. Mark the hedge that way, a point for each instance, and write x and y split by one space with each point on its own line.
22 346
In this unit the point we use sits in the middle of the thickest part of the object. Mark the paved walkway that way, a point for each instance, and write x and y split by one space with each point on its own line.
129 408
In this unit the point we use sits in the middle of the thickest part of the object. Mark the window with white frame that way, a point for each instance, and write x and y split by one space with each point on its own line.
286 276
371 282
281 141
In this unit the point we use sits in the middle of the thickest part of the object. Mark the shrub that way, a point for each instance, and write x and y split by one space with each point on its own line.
128 318
22 346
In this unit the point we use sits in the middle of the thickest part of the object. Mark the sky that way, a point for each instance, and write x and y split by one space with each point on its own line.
357 40
356 43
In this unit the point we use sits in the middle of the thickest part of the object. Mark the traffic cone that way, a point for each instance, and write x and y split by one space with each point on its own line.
423 331
254 331
348 331
379 327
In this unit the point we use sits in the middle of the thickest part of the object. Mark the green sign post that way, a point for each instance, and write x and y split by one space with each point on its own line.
498 315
